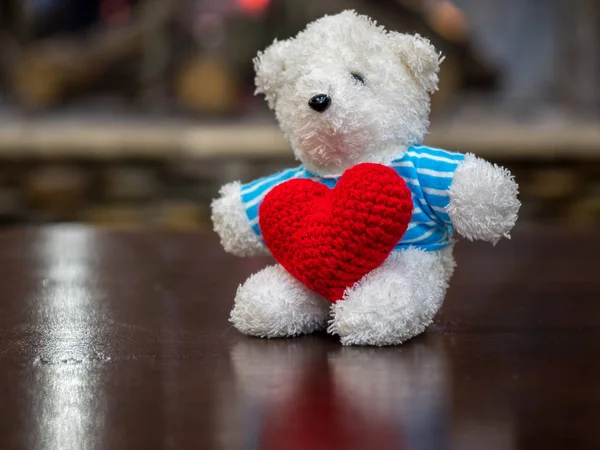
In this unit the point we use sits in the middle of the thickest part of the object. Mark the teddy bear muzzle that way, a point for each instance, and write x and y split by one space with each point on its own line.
320 102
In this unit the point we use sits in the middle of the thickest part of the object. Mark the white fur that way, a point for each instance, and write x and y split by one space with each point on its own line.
421 58
232 225
483 200
373 122
271 303
396 301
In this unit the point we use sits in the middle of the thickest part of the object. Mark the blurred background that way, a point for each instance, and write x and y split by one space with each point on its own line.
131 113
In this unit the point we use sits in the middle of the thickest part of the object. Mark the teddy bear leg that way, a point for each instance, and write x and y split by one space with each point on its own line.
272 303
394 302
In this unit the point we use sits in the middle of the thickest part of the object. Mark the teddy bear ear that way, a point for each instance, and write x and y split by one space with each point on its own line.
421 58
270 68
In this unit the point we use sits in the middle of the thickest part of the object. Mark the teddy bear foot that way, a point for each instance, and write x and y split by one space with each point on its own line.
271 303
396 301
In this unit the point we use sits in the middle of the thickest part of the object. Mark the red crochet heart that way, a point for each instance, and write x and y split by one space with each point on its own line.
328 239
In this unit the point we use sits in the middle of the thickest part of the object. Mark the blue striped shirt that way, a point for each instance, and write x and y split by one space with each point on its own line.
428 173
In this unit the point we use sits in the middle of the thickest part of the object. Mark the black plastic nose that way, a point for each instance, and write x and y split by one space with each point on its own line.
320 102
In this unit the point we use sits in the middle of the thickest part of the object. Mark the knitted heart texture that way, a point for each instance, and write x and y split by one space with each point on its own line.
329 239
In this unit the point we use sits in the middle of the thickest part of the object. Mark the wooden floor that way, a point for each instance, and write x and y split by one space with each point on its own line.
120 340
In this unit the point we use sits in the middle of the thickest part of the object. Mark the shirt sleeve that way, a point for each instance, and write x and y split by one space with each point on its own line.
254 192
435 171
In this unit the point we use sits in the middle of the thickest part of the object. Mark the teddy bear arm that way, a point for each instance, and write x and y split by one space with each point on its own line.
483 200
232 225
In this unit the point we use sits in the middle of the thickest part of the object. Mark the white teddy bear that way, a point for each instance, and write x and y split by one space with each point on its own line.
347 92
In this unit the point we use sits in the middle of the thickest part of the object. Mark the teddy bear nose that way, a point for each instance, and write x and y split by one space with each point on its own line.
320 102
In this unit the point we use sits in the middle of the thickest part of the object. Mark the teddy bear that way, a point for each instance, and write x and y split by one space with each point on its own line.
363 230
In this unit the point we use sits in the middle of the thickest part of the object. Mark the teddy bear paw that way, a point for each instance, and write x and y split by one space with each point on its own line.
271 303
395 302
369 316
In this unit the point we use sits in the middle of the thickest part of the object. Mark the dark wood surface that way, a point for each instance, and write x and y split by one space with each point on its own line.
120 340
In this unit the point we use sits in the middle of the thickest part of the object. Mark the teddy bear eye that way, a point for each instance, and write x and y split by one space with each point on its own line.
357 77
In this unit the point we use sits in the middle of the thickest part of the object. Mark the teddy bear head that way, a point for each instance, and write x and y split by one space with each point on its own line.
346 91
